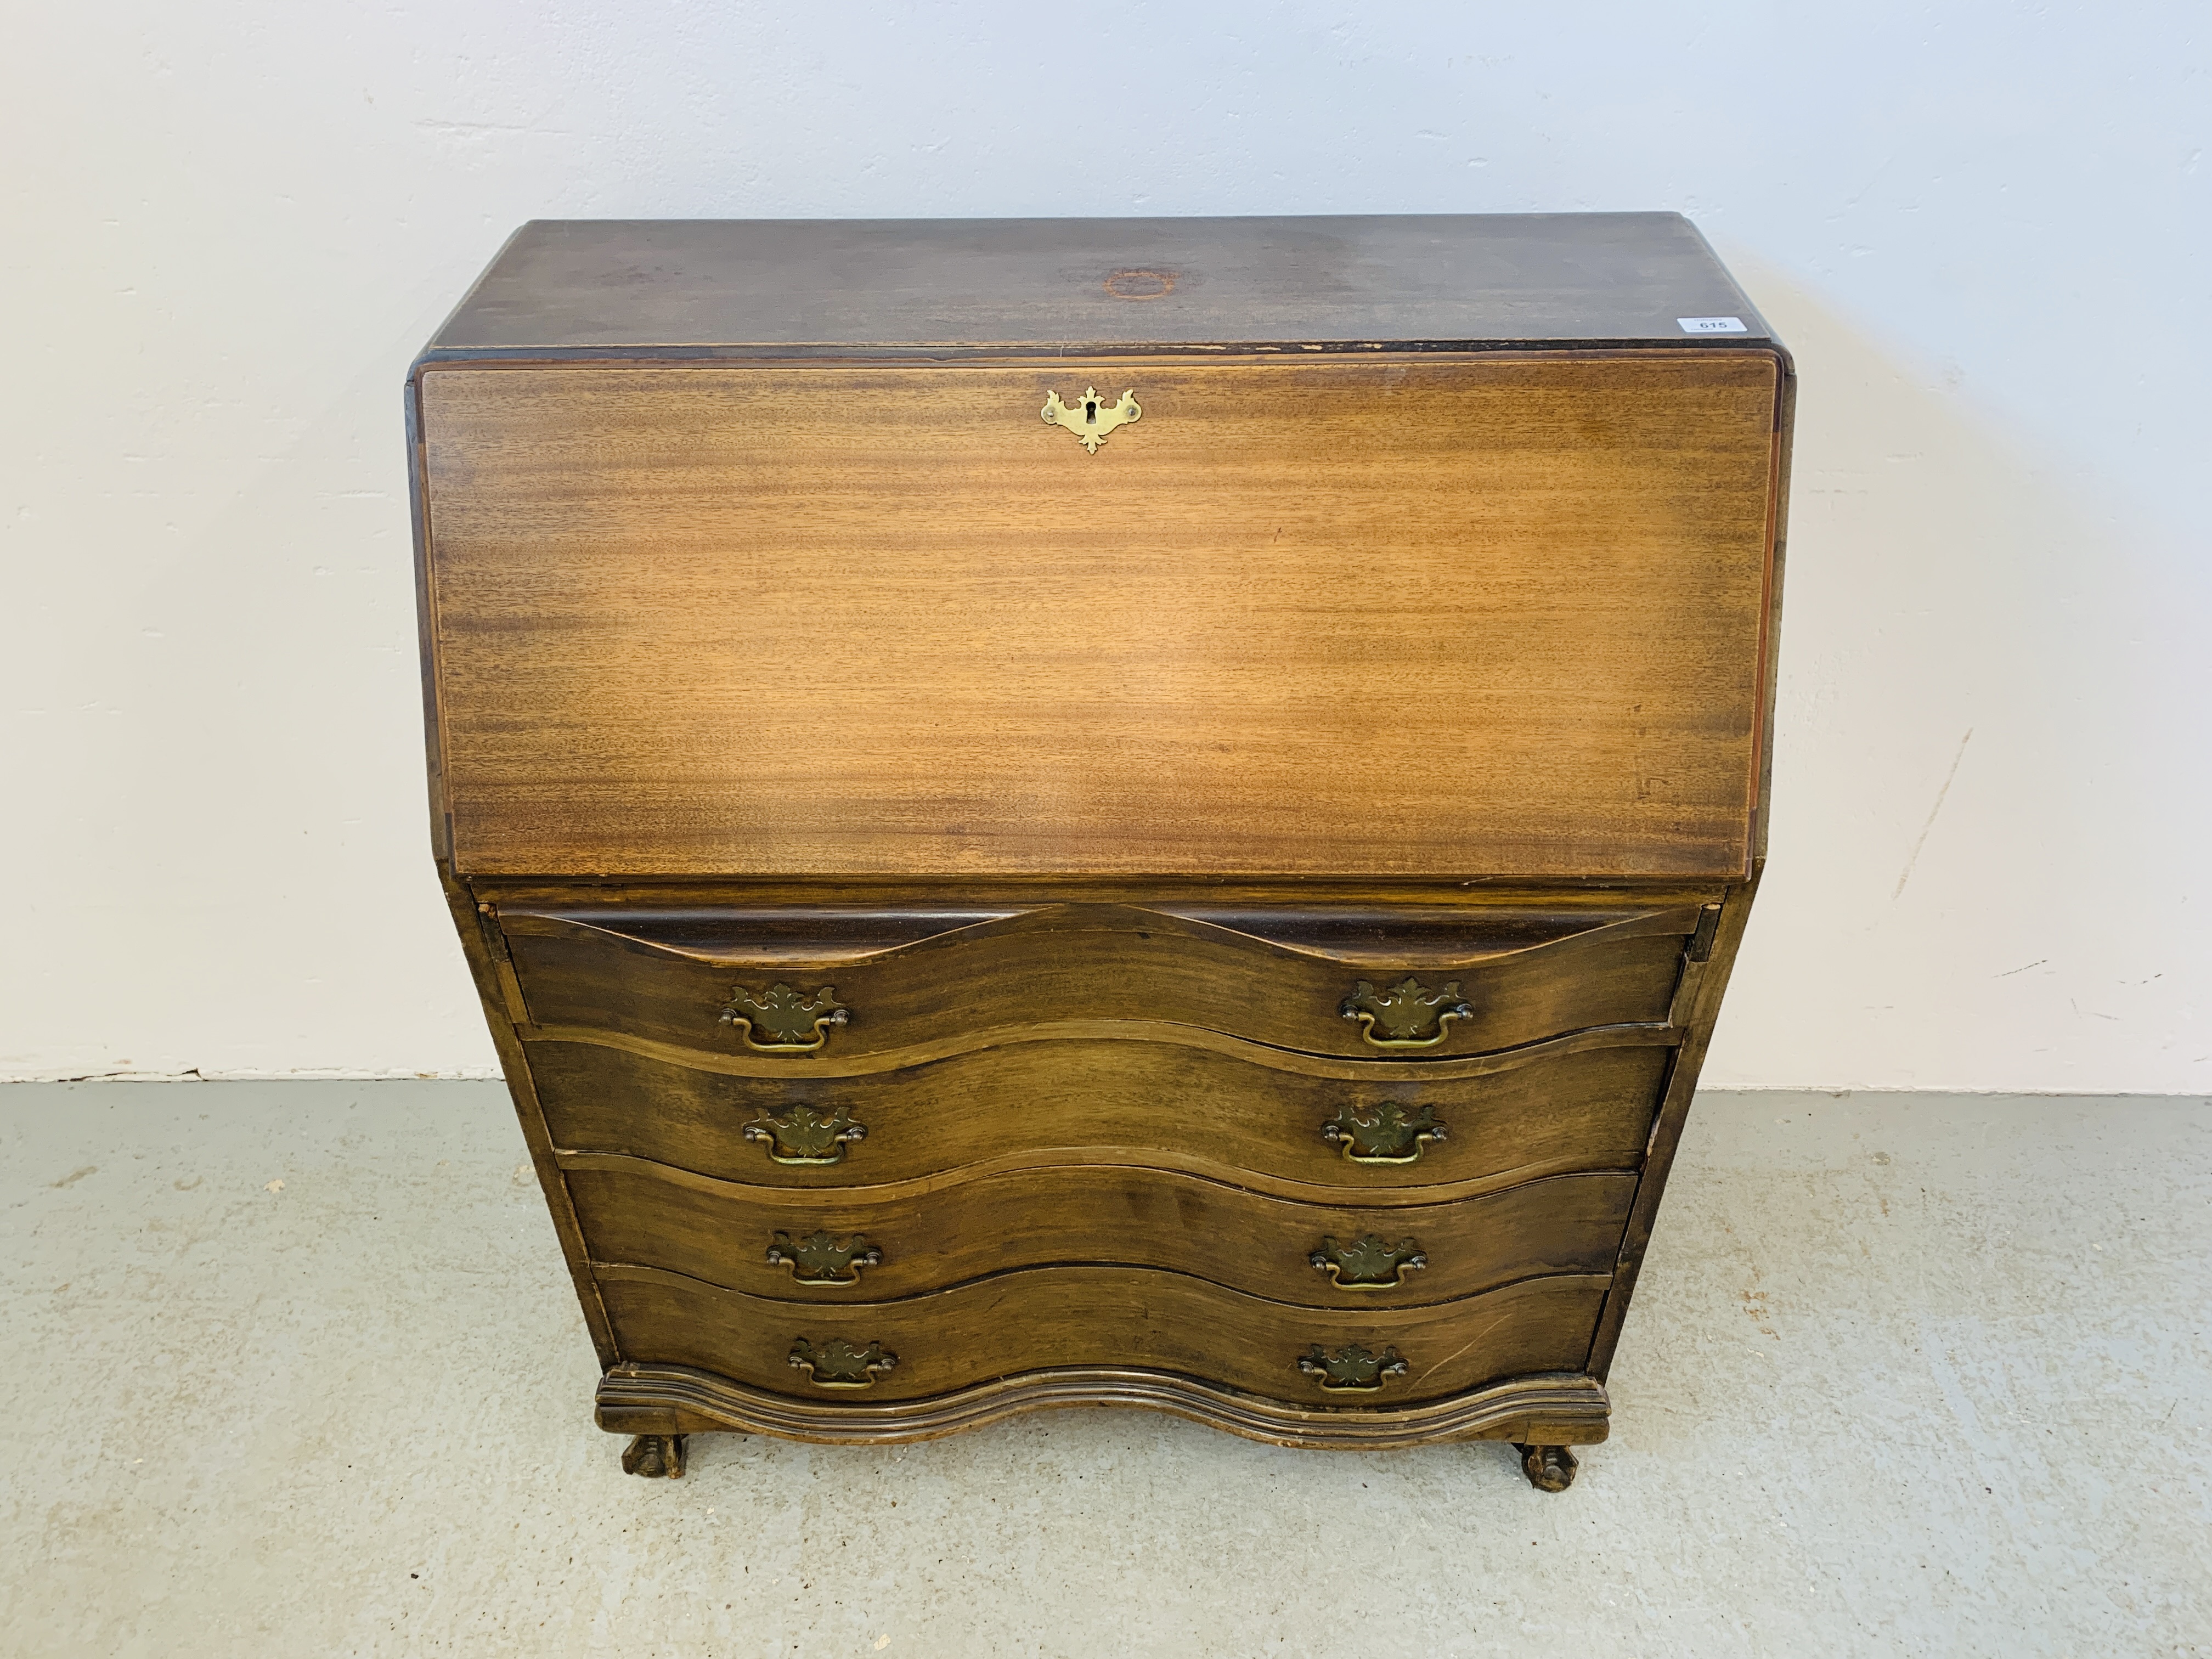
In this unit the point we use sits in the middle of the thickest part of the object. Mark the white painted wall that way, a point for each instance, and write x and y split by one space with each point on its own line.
1984 228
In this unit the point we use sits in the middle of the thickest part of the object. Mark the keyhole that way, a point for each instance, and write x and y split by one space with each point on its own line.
1091 412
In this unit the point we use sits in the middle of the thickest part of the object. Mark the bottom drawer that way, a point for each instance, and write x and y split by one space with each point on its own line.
1054 1317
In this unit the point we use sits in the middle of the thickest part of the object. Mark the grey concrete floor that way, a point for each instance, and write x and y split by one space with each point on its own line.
295 1370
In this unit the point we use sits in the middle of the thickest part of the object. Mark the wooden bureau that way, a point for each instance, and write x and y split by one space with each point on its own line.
1103 811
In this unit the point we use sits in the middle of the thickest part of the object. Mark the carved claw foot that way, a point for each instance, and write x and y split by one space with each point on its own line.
1549 1468
655 1455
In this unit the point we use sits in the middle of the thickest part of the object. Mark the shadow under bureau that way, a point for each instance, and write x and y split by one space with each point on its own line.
1116 812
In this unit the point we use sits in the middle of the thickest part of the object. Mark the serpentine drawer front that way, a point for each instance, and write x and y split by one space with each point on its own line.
1057 1318
1457 982
1136 811
1288 1126
872 1244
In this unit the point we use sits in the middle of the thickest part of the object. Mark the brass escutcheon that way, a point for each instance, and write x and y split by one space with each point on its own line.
1090 417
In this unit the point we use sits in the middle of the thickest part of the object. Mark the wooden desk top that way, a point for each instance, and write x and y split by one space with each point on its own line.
1455 280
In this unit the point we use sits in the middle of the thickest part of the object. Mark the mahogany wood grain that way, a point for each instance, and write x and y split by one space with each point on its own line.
1708 982
849 907
1002 1221
1424 624
1092 963
477 943
1033 1104
1493 614
1053 1316
1556 1408
796 288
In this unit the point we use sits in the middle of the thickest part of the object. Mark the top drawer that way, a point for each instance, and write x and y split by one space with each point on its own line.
1493 614
814 992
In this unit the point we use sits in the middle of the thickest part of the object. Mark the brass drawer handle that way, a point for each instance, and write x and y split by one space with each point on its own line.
1351 1370
1366 1264
838 1365
805 1135
1090 417
1407 1016
1385 1133
821 1258
793 1022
